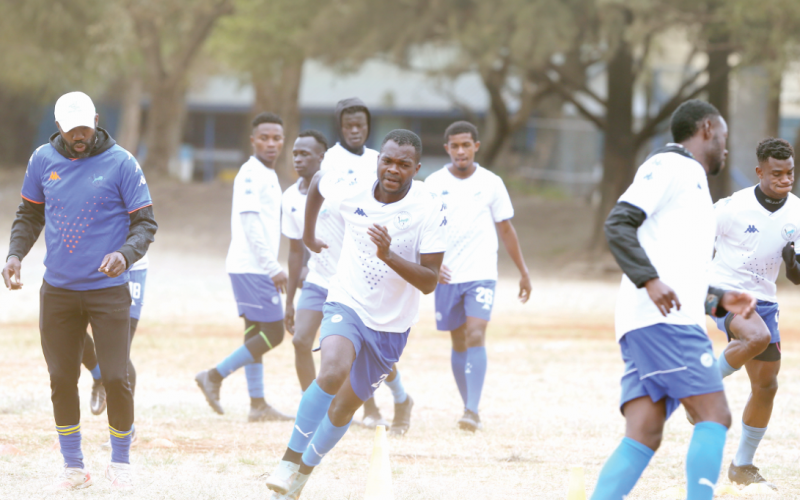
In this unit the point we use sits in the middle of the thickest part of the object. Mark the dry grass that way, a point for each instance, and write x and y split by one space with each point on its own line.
550 402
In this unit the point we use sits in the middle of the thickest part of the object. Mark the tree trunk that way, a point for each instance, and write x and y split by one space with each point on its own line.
165 119
774 105
130 122
619 150
719 95
498 127
280 93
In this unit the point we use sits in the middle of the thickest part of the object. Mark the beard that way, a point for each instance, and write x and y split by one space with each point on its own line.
715 158
86 150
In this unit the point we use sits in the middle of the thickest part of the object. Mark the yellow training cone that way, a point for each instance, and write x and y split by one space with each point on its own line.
379 481
577 488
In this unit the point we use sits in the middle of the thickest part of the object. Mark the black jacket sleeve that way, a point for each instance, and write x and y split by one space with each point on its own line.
790 258
141 233
26 228
620 229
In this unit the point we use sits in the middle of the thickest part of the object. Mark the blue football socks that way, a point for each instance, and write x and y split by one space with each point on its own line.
95 372
724 368
236 360
398 391
622 469
255 379
704 460
458 361
313 408
69 438
324 440
748 444
475 374
120 445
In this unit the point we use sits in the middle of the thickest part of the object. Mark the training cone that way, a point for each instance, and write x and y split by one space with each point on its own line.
379 481
577 487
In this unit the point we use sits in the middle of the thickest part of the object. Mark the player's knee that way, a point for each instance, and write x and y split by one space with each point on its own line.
274 332
331 378
116 382
475 337
340 413
302 343
765 387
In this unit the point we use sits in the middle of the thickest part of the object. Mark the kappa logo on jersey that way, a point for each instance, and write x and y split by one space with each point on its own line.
248 180
789 232
360 212
444 207
249 191
751 229
402 220
698 186
54 176
445 192
294 209
444 222
142 182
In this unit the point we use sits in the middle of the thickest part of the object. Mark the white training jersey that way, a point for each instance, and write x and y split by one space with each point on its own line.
382 299
474 205
255 189
141 264
330 229
339 159
750 241
678 237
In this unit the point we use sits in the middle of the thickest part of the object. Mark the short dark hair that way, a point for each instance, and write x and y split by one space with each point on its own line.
404 137
461 127
267 117
774 148
686 118
317 135
355 109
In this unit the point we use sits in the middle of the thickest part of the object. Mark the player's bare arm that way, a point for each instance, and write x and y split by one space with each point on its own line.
314 201
422 276
295 269
739 303
509 237
444 275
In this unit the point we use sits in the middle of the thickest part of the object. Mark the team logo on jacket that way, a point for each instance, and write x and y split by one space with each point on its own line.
96 179
789 232
402 220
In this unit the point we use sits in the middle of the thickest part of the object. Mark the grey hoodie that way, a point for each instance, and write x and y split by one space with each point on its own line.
343 105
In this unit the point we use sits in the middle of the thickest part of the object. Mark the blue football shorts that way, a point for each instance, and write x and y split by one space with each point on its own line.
257 298
136 285
668 361
376 352
454 302
312 297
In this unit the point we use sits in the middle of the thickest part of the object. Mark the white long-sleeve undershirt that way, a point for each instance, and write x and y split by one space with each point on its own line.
256 235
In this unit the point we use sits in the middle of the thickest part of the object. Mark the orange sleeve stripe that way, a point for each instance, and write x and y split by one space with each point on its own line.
32 201
145 206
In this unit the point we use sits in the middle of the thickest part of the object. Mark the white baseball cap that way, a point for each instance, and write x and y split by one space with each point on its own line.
75 109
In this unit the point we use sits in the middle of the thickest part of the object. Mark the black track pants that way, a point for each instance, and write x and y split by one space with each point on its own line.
90 358
63 318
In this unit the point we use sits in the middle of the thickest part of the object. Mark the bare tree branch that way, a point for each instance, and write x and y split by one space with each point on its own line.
599 121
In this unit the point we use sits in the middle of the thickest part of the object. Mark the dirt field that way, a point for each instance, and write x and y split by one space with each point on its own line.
550 400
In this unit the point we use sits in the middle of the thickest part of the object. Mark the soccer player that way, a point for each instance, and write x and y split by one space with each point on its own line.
661 233
350 153
308 152
252 263
97 402
393 247
756 229
351 157
477 203
92 199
